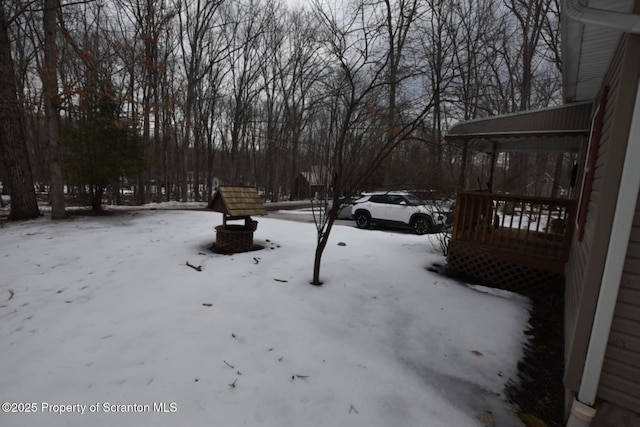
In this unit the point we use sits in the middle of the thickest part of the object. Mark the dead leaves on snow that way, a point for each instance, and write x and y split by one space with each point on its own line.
486 418
234 384
295 376
531 420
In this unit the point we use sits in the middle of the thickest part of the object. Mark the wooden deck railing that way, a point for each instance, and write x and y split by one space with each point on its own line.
522 224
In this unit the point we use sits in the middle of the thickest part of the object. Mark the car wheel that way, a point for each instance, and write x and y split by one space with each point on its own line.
421 225
362 219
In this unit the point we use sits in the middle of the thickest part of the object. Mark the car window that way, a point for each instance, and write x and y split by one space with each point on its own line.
379 198
396 200
413 200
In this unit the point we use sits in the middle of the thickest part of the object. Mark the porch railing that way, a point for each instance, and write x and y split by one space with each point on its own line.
522 224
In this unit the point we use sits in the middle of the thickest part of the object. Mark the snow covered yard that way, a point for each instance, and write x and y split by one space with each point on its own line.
101 312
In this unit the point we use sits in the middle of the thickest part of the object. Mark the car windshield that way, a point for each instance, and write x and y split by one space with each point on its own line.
413 200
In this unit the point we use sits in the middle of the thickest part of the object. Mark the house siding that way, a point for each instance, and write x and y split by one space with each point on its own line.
586 260
620 381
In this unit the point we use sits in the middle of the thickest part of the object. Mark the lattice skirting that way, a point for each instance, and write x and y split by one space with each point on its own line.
233 239
489 268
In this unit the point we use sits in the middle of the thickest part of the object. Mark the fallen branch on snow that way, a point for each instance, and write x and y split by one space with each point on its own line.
198 268
293 377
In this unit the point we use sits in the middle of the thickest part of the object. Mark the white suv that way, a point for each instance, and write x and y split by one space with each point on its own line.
400 209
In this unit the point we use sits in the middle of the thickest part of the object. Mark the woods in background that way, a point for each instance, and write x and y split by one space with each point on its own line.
169 97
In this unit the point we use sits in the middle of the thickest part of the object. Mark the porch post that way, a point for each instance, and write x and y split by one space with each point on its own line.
494 147
463 166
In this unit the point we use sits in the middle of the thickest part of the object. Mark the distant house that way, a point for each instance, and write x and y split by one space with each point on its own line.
214 183
311 183
601 62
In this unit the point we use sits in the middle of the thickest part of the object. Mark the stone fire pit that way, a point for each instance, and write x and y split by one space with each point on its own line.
236 204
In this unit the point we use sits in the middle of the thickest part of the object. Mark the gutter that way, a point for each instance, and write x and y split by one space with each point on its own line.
583 410
620 21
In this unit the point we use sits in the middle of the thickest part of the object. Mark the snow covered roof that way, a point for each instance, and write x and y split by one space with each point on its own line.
555 129
237 202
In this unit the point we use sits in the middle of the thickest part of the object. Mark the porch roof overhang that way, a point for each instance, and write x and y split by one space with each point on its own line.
587 49
556 129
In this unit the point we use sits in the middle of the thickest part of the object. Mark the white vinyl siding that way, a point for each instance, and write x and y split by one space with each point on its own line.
620 382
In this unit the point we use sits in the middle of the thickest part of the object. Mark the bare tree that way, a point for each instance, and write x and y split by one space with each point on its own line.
300 70
361 90
479 37
267 148
151 23
255 91
479 86
531 16
49 76
244 32
551 35
13 150
438 41
196 20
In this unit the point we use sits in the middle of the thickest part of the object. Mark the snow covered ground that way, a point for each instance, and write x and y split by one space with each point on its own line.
102 314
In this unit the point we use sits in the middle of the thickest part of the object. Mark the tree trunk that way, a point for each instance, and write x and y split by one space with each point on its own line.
316 263
96 198
13 148
323 238
49 76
